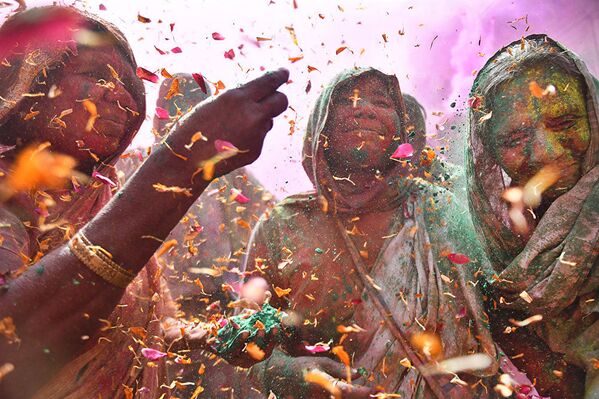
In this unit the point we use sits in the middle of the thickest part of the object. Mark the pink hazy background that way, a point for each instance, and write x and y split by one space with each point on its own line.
433 46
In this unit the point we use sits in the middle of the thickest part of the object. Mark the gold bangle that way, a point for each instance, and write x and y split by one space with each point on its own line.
98 260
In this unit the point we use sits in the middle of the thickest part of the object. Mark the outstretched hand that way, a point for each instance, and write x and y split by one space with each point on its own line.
240 116
245 353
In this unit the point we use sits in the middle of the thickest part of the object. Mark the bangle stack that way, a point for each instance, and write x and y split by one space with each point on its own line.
98 260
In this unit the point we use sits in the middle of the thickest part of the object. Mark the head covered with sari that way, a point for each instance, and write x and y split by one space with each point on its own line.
39 42
381 192
552 271
37 45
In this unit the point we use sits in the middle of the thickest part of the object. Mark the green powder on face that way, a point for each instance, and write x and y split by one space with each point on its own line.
359 155
227 335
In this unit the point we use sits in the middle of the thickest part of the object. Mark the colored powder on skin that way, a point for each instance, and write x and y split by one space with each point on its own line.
359 155
228 335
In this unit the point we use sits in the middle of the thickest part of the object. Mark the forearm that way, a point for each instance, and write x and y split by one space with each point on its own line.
59 300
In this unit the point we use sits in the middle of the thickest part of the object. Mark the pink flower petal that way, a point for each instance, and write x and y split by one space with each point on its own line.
152 354
102 7
161 52
143 73
217 36
224 146
404 150
103 178
318 348
461 313
176 50
458 259
161 113
230 54
223 322
474 102
239 197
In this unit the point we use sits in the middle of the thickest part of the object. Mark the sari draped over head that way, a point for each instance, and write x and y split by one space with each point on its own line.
111 362
307 249
557 265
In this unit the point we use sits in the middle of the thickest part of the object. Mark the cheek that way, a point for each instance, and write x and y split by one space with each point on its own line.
512 159
579 140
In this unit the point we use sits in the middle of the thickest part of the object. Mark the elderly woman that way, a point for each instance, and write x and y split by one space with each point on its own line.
364 263
81 303
534 127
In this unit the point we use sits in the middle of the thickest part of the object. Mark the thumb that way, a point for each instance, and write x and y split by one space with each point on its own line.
336 369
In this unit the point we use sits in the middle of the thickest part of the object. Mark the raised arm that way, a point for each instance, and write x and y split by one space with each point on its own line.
50 313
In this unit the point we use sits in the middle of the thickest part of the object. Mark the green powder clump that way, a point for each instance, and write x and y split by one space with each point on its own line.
270 317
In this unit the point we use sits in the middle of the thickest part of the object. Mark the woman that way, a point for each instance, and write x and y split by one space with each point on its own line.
369 247
535 111
81 315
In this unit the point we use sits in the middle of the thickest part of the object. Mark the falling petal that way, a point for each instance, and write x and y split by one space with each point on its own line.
318 348
152 354
103 178
458 259
230 54
404 150
162 113
143 73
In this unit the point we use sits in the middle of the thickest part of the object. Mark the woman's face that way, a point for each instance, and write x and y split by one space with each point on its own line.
85 76
362 124
530 132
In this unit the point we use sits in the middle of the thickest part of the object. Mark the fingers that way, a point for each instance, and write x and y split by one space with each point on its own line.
239 344
333 368
354 391
265 85
274 104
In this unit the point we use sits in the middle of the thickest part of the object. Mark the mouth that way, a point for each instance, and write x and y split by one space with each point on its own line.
365 132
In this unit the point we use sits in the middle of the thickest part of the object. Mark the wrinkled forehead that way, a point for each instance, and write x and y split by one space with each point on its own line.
366 83
538 87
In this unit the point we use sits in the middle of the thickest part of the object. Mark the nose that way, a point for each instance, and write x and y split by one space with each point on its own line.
364 109
120 94
543 151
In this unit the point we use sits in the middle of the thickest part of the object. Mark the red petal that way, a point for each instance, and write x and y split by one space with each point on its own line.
161 113
239 197
176 50
200 81
458 259
159 51
172 26
474 102
143 73
404 150
230 54
102 7
217 36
